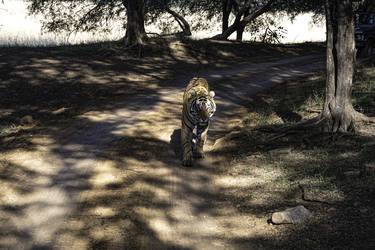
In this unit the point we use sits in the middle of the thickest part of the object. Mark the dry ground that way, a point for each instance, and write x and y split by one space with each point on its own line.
335 173
98 167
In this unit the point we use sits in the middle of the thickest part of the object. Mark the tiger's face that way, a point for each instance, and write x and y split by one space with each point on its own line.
206 106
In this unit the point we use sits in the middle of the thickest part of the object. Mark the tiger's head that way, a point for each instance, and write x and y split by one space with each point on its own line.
206 106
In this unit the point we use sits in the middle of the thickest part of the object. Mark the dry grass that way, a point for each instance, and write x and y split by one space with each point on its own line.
338 173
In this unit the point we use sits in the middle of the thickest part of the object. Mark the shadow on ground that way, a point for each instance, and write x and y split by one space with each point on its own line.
272 158
114 181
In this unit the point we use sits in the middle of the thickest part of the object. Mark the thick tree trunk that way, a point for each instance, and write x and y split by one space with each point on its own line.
181 22
338 111
238 23
135 28
227 9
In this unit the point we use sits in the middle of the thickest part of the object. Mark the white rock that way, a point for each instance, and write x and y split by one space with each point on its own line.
293 215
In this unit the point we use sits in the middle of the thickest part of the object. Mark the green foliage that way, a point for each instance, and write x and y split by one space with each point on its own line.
266 29
296 7
97 15
73 15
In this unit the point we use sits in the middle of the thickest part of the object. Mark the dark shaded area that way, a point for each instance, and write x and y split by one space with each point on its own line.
176 143
345 224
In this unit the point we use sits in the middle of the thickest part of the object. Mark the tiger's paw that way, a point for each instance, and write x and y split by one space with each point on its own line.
187 162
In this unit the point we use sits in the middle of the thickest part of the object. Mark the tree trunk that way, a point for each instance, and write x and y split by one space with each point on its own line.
238 23
227 9
241 28
338 112
135 28
240 33
181 21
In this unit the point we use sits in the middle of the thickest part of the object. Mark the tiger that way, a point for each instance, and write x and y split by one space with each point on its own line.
198 107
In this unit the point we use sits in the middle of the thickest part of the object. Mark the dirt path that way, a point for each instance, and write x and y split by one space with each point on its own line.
112 178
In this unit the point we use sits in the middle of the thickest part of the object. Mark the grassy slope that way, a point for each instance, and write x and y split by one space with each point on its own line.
339 172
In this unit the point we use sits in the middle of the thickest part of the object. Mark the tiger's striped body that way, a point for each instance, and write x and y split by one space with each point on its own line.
198 107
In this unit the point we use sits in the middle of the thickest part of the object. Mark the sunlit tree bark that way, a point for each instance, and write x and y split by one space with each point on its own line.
338 111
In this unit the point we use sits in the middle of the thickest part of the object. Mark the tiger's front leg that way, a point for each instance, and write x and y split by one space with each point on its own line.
186 140
201 140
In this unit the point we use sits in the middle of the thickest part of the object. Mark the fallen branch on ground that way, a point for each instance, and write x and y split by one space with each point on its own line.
312 200
300 126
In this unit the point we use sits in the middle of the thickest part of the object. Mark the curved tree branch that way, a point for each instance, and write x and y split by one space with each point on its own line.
238 23
181 21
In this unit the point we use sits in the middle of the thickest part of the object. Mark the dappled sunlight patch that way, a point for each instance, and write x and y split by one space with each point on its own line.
42 62
105 173
10 194
203 230
97 116
159 193
226 54
110 233
103 179
178 50
348 155
254 177
145 79
34 161
50 72
37 209
157 221
103 212
73 240
43 141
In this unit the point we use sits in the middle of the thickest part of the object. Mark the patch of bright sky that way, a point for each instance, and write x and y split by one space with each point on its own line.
18 28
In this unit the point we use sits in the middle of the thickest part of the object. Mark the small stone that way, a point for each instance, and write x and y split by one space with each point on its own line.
352 173
27 120
356 204
298 214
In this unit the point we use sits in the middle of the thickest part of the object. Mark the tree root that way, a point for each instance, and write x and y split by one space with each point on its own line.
317 111
359 117
301 126
308 127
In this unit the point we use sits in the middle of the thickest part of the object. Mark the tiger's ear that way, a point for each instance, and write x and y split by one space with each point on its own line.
212 94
